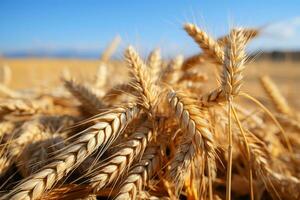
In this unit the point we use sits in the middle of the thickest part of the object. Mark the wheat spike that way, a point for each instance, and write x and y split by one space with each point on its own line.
172 73
122 159
88 99
193 121
193 76
140 174
104 132
38 154
275 95
233 64
154 63
110 49
288 122
198 59
25 107
248 33
209 46
142 82
192 61
102 75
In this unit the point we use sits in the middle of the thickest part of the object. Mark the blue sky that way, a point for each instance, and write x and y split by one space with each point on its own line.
88 25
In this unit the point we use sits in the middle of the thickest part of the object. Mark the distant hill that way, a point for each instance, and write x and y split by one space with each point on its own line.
272 55
54 54
278 56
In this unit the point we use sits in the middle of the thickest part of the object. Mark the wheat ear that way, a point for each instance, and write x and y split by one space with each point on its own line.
191 61
142 82
193 121
248 33
233 67
209 46
25 106
193 76
121 159
102 75
288 122
275 95
110 49
102 134
86 97
140 174
172 73
154 63
38 154
181 162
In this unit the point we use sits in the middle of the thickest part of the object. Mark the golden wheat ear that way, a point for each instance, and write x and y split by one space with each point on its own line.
154 62
89 100
142 82
140 173
197 138
130 150
275 95
110 49
248 33
209 46
101 135
25 107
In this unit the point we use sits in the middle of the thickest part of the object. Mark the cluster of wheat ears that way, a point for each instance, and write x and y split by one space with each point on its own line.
160 135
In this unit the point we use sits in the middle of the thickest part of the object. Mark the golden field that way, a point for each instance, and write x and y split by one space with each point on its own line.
42 72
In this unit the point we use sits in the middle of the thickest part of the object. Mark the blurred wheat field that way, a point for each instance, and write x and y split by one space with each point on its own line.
36 72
